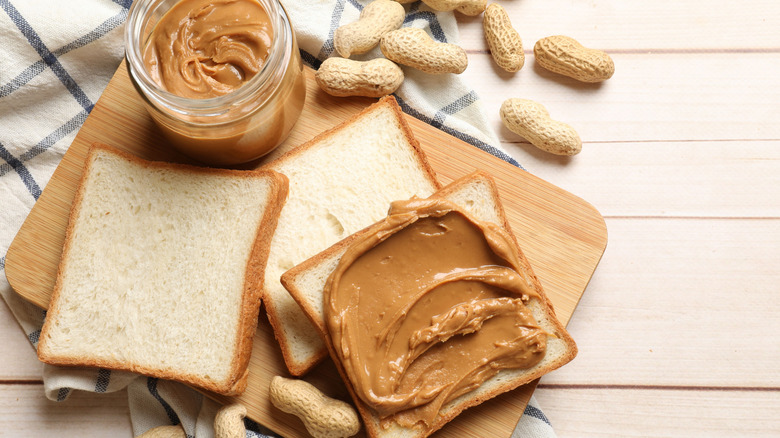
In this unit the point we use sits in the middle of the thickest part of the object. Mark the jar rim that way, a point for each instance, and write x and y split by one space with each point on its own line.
259 88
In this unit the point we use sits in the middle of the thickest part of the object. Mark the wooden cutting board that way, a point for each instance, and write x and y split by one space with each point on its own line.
562 236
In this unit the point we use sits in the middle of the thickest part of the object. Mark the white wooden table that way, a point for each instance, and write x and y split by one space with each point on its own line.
678 330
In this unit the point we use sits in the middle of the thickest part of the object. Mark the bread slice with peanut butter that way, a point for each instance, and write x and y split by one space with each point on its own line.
447 334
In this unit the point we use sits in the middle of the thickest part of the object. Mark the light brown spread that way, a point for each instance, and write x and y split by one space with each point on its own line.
208 48
428 306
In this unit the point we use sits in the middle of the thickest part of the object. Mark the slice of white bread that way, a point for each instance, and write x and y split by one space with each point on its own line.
340 182
477 195
162 270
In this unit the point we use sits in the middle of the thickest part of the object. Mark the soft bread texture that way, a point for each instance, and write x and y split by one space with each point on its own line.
477 195
340 182
162 270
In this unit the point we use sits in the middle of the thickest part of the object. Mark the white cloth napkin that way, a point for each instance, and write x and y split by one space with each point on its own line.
55 60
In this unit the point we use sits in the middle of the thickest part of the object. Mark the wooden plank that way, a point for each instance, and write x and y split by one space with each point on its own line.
625 413
667 179
562 235
651 97
689 302
26 412
664 25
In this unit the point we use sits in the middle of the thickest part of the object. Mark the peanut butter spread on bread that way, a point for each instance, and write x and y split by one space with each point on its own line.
427 307
208 48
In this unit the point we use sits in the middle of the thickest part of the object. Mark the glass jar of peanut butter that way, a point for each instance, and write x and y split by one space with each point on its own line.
223 79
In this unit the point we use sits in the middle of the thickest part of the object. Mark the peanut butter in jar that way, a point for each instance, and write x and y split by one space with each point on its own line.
223 79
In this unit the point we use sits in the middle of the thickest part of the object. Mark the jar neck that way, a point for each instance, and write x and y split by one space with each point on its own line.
145 14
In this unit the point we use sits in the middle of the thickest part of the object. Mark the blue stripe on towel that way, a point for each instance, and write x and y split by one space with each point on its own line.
58 134
335 18
103 379
461 103
34 337
433 23
357 5
151 385
22 78
533 411
62 394
47 56
48 141
100 31
13 163
310 59
25 174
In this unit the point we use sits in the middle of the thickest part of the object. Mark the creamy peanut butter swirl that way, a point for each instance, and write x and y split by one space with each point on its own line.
208 48
427 307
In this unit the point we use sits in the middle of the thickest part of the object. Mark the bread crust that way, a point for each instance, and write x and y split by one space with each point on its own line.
275 319
253 279
455 407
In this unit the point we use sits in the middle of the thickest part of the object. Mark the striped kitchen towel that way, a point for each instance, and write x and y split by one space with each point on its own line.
56 58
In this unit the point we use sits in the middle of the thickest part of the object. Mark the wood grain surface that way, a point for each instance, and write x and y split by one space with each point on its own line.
562 235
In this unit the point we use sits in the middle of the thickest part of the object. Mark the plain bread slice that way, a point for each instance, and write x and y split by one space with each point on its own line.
162 270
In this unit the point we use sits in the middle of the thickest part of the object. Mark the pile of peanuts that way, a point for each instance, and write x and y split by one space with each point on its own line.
380 24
